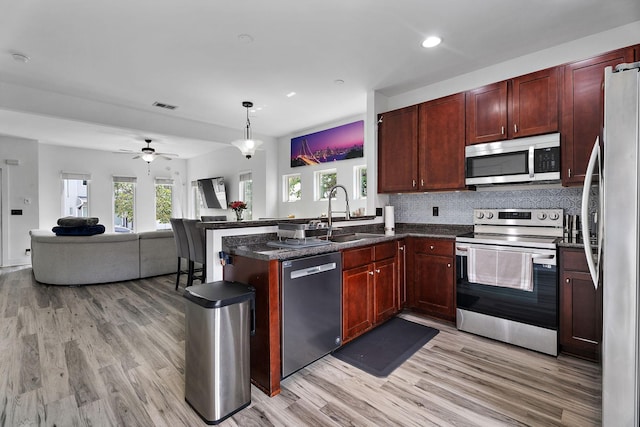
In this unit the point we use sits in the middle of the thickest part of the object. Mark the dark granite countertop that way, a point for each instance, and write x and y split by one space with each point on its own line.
255 245
217 225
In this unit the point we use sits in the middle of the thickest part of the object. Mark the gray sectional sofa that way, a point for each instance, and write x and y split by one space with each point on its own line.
102 258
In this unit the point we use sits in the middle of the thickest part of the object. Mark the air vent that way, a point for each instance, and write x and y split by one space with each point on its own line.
163 105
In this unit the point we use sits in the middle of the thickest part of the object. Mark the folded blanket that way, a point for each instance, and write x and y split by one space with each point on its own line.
86 230
72 221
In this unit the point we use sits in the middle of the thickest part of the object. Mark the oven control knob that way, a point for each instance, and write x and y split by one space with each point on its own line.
542 216
479 215
489 215
554 216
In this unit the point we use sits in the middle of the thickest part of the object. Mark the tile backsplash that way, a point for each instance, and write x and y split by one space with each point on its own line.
457 207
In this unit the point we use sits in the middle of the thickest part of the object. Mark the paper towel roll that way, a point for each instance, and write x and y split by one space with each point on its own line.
389 221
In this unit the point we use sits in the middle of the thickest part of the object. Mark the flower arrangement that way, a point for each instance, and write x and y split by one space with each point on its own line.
238 206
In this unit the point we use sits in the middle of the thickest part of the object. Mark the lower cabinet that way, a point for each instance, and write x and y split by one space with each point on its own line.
431 277
580 307
369 288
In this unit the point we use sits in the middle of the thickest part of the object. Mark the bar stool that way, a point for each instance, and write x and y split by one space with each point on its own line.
197 250
182 247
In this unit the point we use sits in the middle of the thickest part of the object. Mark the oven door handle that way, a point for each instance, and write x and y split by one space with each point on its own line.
540 256
462 248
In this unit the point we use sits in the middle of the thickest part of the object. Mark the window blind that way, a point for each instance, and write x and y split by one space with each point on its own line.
131 179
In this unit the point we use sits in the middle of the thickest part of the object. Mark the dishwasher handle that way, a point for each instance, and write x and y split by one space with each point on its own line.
296 274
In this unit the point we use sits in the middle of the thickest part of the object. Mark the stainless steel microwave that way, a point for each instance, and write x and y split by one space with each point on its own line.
531 159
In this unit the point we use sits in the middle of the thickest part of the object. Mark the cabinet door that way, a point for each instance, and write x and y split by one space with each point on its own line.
434 285
486 113
357 301
583 110
580 307
534 106
401 272
398 150
441 143
384 289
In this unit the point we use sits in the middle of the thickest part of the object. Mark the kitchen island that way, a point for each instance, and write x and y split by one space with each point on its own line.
253 262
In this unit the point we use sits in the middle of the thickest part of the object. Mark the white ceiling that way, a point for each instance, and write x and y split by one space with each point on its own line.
189 54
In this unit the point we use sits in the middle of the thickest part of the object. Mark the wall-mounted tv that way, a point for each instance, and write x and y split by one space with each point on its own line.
213 192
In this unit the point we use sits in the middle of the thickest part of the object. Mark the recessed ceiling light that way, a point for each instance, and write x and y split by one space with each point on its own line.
245 38
20 57
431 41
290 94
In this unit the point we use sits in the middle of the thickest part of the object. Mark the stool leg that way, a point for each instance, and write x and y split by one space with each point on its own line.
190 273
178 275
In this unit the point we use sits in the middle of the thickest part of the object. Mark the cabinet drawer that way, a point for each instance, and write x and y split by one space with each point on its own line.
574 260
356 257
433 246
384 250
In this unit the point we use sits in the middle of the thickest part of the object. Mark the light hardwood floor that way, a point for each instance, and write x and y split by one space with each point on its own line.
113 354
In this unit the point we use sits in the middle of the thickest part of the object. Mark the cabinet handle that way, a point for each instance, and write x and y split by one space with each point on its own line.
569 172
377 270
515 128
422 183
380 119
413 182
449 265
371 273
401 248
567 280
432 247
502 130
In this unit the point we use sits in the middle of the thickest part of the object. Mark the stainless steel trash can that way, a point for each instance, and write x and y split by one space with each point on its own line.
219 319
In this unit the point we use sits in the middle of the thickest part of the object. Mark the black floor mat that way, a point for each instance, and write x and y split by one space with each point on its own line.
386 347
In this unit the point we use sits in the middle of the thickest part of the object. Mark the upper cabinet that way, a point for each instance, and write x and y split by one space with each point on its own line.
421 147
583 110
398 150
523 106
441 144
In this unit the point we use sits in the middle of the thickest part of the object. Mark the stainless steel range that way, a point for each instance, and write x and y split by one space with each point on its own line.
507 277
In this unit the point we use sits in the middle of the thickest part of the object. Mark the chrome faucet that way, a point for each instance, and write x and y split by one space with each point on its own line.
330 212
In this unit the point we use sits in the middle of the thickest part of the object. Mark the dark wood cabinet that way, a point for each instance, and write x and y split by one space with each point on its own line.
583 110
421 147
523 106
441 143
402 273
580 307
486 113
369 288
432 276
398 150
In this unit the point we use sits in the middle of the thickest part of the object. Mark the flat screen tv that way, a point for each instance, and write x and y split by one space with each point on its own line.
213 192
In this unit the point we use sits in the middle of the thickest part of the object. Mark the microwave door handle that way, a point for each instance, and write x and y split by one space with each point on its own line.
531 162
593 269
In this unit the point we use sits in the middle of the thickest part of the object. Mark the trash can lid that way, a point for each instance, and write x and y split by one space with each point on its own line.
219 294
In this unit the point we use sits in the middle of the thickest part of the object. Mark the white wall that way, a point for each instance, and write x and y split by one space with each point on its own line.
627 35
102 166
308 207
229 163
19 191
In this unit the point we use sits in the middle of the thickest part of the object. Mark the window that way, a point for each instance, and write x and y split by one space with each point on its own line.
75 194
292 188
324 181
246 192
124 203
164 203
360 182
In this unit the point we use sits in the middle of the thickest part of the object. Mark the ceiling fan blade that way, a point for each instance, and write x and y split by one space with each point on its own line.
163 156
136 157
167 154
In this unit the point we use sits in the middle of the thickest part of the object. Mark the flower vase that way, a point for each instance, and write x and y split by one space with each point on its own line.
238 214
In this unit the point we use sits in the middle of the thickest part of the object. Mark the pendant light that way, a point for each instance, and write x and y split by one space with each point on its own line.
248 145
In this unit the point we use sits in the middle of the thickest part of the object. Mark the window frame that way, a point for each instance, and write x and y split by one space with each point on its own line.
65 177
124 180
286 194
317 178
163 182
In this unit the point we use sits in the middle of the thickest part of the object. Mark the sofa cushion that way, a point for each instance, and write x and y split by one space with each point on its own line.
157 253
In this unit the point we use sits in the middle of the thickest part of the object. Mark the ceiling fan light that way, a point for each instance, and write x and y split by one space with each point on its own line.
148 157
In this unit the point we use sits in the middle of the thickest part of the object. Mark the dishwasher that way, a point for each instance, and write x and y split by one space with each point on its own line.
311 297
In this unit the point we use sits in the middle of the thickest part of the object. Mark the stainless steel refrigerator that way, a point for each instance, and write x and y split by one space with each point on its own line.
613 262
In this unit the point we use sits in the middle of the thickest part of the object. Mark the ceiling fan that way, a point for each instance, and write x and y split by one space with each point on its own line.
149 154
